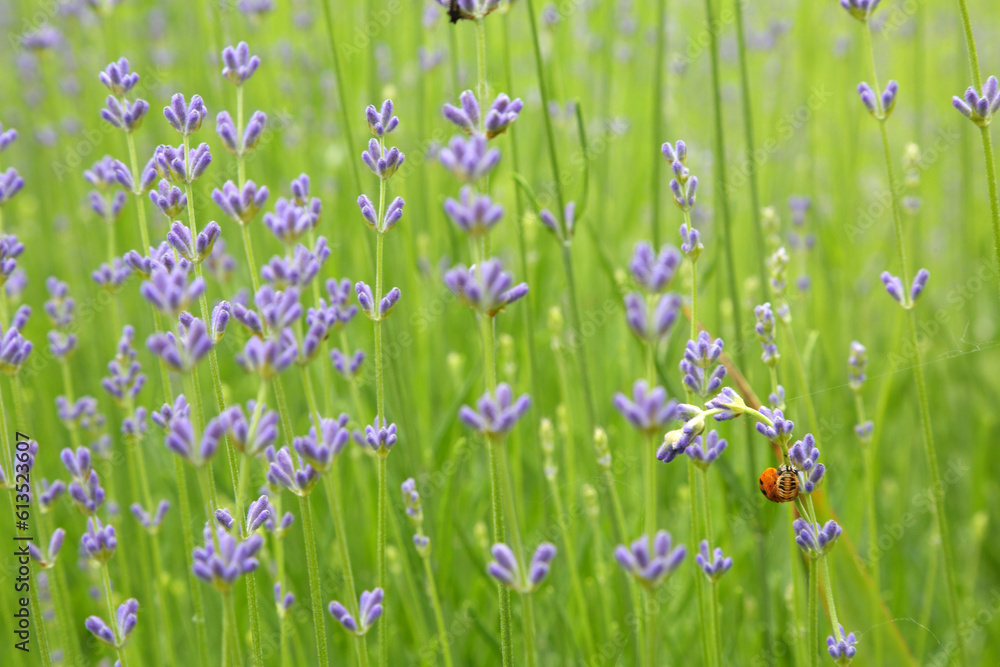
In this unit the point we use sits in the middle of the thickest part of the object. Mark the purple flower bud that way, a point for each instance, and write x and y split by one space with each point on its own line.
867 96
268 358
170 200
469 158
117 78
781 428
185 117
860 9
347 367
284 473
651 271
714 565
123 114
495 415
919 282
473 214
841 647
222 565
240 205
649 411
894 286
813 539
381 122
656 327
239 65
99 542
486 288
320 450
283 602
706 449
649 563
765 328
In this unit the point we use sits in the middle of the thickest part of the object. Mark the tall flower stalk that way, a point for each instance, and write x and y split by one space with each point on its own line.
880 104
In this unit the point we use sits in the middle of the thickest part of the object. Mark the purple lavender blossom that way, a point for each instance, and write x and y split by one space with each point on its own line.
380 436
284 473
126 617
289 221
180 167
7 137
255 435
714 565
381 121
320 450
240 205
651 271
348 367
383 163
123 114
87 493
239 65
980 108
48 559
50 492
495 415
166 415
226 129
501 114
879 106
857 363
469 158
221 566
894 286
841 647
651 564
473 213
118 78
193 249
185 117
268 358
170 200
60 306
565 231
10 184
183 351
919 283
805 459
864 431
99 542
411 500
486 288
367 301
220 263
169 290
697 365
392 214
470 10
860 9
282 602
814 540
180 438
150 522
765 333
780 428
14 348
125 379
255 8
664 315
706 449
505 569
649 411
675 442
369 611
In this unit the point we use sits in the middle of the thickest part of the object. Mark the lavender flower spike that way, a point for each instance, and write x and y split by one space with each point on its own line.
369 611
860 9
367 301
814 540
284 473
48 559
239 64
919 282
804 457
697 365
714 565
381 121
649 411
473 213
731 404
383 163
564 232
117 78
980 108
651 271
99 542
240 205
126 617
495 415
649 563
706 449
221 566
655 326
765 334
505 569
469 158
841 647
880 106
486 287
857 363
184 117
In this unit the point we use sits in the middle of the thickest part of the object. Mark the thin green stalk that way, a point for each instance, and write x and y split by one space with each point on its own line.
918 372
332 483
747 113
251 264
483 85
187 528
341 95
230 611
315 585
583 615
113 616
656 124
991 182
499 535
830 603
649 469
812 604
383 502
712 608
870 502
706 638
649 646
574 309
432 593
528 613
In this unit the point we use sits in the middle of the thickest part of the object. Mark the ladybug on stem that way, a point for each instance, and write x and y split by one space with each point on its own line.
781 485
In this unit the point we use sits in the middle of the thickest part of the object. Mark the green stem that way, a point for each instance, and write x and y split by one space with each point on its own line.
315 585
713 596
706 636
499 535
830 603
991 182
187 528
341 96
583 611
649 469
432 593
528 612
251 264
874 564
482 85
970 44
106 581
383 502
649 648
813 641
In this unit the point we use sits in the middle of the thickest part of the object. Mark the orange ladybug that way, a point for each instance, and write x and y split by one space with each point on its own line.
781 485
